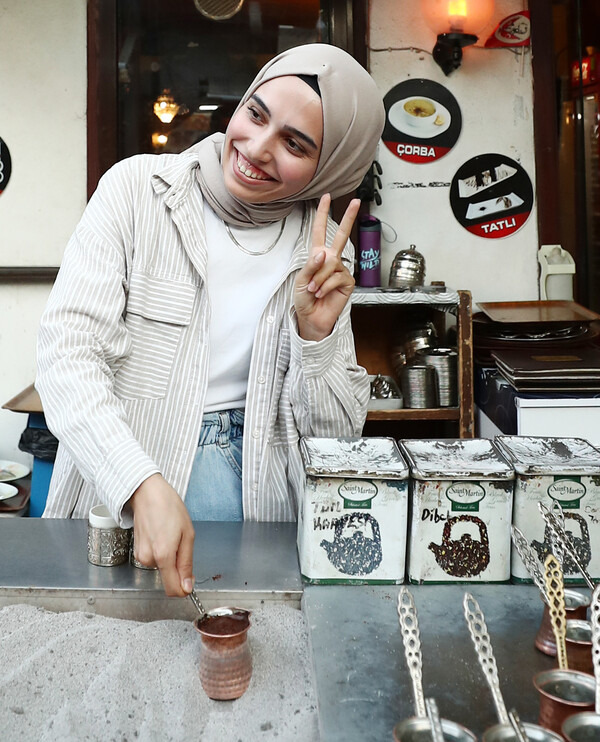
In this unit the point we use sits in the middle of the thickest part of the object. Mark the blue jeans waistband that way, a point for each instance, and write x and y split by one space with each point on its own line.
222 426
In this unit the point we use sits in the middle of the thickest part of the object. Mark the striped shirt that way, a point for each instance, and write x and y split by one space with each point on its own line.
123 354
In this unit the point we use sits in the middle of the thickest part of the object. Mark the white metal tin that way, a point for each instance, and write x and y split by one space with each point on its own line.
563 470
352 517
460 511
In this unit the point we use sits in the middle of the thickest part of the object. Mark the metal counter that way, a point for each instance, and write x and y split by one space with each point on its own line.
360 675
44 562
362 682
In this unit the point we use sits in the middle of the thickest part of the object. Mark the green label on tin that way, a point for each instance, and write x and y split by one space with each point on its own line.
465 496
357 493
568 491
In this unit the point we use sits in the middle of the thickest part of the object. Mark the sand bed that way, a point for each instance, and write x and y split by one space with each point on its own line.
77 676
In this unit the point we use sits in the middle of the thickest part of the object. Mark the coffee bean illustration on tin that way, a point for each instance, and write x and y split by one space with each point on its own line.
466 556
356 545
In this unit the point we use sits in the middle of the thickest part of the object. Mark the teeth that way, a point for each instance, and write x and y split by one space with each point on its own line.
248 172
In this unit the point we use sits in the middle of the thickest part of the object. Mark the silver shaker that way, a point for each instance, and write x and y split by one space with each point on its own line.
408 269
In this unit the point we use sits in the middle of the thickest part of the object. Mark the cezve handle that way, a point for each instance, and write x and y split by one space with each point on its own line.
561 537
558 614
407 614
595 621
485 654
437 735
530 560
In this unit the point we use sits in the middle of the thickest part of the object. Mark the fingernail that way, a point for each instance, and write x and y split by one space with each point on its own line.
320 257
188 585
311 286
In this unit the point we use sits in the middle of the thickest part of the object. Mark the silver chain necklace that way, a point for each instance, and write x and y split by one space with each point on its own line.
258 252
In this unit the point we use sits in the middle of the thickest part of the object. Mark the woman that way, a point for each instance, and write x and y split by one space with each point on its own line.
205 293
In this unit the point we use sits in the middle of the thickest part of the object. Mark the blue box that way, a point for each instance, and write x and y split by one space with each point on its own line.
41 472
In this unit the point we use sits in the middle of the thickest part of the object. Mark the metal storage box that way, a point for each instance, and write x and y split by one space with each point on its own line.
352 520
461 494
548 470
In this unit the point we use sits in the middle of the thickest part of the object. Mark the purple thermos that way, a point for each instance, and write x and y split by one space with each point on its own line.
369 251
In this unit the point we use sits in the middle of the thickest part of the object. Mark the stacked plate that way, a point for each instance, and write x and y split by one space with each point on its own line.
541 325
13 500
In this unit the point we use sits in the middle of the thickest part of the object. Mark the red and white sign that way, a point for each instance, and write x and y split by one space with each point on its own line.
514 30
491 196
589 68
423 121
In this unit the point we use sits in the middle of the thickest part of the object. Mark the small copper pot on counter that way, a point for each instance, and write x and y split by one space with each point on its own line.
505 733
562 694
418 729
578 642
225 658
576 605
584 727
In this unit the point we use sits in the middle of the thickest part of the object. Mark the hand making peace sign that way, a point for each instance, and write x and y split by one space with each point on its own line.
324 284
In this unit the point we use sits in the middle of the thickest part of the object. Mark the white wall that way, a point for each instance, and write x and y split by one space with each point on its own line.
496 100
43 87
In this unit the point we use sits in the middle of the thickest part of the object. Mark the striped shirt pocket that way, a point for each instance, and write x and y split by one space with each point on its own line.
158 310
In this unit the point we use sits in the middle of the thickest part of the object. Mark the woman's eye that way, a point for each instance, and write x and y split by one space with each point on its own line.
295 146
254 113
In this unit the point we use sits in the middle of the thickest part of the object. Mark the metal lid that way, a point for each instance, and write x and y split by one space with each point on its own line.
468 458
547 455
378 458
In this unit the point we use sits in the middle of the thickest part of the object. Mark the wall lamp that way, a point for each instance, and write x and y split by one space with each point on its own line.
456 23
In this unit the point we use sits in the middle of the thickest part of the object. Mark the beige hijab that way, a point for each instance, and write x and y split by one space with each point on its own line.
353 119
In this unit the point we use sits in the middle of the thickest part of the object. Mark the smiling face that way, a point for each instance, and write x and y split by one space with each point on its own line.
273 142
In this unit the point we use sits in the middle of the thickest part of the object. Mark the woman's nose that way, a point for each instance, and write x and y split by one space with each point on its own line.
260 148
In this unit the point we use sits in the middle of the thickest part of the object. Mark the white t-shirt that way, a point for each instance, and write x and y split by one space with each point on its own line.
239 286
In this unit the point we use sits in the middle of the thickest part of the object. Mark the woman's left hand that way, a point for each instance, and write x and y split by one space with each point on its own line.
324 284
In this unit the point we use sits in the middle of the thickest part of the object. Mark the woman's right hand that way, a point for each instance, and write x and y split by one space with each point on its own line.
164 534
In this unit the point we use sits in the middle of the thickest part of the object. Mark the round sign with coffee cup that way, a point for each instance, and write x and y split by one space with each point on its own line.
423 121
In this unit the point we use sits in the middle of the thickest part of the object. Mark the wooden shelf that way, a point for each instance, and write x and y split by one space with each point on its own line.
416 413
377 318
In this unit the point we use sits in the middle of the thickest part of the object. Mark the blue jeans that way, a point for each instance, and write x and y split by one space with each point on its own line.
215 488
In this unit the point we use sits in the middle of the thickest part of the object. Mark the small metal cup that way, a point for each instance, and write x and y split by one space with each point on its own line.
584 727
135 562
562 694
418 729
576 605
107 543
505 733
578 641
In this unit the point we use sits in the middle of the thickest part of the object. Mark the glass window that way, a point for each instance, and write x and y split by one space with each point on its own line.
576 29
182 71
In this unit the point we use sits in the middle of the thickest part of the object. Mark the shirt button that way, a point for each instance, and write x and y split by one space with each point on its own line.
255 433
254 486
261 379
270 319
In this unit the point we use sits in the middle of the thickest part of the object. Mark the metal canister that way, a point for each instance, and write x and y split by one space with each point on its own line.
352 515
444 361
461 505
564 470
419 385
408 269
